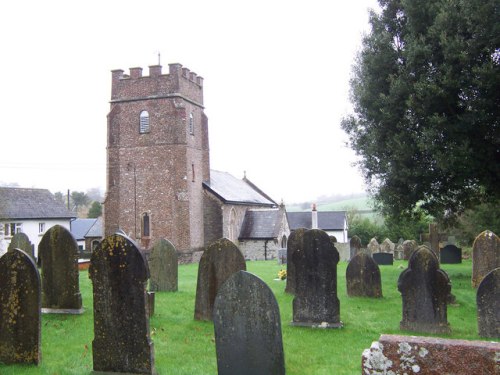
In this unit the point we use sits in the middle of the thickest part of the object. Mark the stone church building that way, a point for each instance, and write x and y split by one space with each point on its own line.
159 181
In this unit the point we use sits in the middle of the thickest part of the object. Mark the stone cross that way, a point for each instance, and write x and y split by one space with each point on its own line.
433 238
247 327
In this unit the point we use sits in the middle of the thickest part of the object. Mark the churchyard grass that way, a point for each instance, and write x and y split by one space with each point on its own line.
185 346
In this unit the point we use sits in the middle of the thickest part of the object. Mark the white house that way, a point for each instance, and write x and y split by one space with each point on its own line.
31 211
334 223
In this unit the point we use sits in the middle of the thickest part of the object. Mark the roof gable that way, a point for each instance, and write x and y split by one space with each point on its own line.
80 227
261 224
327 220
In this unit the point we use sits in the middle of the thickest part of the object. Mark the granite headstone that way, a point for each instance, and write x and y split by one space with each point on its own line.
163 267
363 277
488 305
485 256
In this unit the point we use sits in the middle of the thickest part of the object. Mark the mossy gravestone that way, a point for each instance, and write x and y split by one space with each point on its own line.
20 309
119 275
316 303
22 242
220 260
58 258
409 246
485 256
247 328
488 305
363 277
424 289
163 267
295 242
355 246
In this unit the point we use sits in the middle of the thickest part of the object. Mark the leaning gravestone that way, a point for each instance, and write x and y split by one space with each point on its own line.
316 303
409 246
355 246
20 308
119 275
488 305
247 327
58 258
424 289
22 242
373 246
295 243
485 256
363 277
220 260
383 259
450 254
163 267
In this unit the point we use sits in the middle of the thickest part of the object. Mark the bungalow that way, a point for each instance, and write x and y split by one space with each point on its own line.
87 232
30 211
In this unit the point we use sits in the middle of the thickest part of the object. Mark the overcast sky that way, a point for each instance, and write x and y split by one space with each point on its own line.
276 85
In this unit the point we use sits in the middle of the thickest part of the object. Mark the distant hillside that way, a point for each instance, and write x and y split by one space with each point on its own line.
358 203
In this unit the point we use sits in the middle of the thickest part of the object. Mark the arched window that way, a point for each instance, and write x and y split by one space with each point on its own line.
144 122
191 123
283 242
145 225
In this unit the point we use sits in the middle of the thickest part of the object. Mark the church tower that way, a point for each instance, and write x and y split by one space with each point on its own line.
157 157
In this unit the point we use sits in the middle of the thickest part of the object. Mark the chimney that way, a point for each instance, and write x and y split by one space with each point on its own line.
314 217
135 73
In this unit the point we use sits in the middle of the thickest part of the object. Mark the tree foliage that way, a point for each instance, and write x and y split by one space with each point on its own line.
95 210
426 98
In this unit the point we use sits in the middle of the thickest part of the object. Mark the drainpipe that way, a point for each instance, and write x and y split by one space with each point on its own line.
265 249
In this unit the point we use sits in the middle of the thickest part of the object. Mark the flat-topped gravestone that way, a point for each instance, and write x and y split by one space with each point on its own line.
316 303
485 256
163 267
22 242
363 277
220 260
488 305
20 309
247 328
355 246
409 246
373 246
450 254
295 242
424 288
383 259
58 258
119 275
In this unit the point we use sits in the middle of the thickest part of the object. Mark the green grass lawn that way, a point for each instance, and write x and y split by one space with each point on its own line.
185 346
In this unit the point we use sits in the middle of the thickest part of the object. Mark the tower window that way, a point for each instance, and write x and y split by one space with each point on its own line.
191 124
145 225
144 122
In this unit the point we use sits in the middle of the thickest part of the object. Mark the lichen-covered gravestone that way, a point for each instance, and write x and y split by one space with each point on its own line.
220 260
295 242
119 275
409 246
363 277
387 246
355 246
485 256
58 258
316 303
247 327
163 267
22 242
20 309
373 246
424 289
488 305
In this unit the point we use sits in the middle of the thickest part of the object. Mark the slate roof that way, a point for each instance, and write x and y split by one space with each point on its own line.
83 228
261 224
23 203
97 230
235 191
327 220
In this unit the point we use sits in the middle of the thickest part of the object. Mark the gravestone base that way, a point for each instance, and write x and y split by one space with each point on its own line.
46 310
425 327
322 325
122 373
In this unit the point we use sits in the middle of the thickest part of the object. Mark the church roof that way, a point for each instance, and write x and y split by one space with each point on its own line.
327 220
22 203
261 224
235 191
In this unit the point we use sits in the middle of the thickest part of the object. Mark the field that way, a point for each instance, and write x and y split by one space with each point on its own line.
185 346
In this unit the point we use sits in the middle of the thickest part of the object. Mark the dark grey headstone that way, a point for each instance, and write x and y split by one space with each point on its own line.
355 246
383 259
295 242
247 328
119 275
363 277
58 258
450 254
20 309
316 303
163 267
220 260
424 289
488 305
22 242
485 256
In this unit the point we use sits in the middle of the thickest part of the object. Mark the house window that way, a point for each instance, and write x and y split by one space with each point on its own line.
94 245
191 124
13 228
144 122
145 225
41 227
